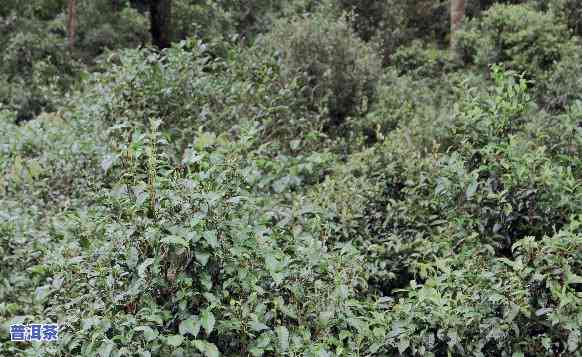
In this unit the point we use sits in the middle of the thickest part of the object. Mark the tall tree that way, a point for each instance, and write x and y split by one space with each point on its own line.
72 23
160 22
457 16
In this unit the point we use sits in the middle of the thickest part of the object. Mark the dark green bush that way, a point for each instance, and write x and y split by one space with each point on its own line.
186 89
570 12
562 86
400 99
395 23
429 20
518 36
206 21
36 65
421 60
109 25
372 17
382 22
35 69
338 69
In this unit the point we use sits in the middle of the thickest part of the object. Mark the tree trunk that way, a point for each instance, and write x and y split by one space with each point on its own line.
160 14
457 16
72 23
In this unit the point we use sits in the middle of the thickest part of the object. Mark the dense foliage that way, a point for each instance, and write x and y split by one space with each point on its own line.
313 178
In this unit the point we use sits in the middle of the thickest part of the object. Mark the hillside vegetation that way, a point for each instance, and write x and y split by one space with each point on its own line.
292 178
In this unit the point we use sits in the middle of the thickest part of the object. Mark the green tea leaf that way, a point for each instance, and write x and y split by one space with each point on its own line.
283 336
209 349
210 237
175 340
189 326
175 240
207 320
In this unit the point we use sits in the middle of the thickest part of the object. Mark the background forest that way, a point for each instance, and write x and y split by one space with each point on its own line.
292 178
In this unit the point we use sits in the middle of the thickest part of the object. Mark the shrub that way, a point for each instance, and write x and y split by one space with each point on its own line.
37 70
561 135
402 99
372 17
518 36
489 181
206 21
187 202
338 69
35 61
199 259
395 23
382 22
429 20
562 86
568 11
105 25
421 60
528 305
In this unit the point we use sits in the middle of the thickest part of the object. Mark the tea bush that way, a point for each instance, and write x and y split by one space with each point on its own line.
400 99
186 89
518 36
508 306
420 60
201 200
561 87
428 219
35 69
569 12
166 232
337 69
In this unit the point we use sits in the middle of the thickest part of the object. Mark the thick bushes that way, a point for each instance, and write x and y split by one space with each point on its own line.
461 237
34 68
186 89
189 202
562 86
536 43
570 12
522 38
400 99
338 69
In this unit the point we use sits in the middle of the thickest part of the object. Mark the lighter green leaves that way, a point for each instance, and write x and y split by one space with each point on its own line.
175 240
209 349
148 333
283 336
211 238
207 320
174 340
189 326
